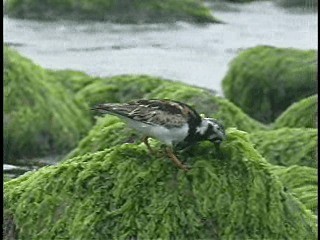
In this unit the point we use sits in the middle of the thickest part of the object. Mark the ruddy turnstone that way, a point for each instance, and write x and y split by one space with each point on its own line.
171 122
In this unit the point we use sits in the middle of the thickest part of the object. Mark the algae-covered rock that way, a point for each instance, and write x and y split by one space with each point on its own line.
120 88
287 146
263 81
123 11
301 114
124 193
108 132
72 81
302 182
40 117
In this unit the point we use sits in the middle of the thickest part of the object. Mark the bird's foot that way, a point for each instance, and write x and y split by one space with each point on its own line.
176 161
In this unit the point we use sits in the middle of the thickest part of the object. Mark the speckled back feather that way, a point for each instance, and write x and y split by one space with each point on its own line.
163 112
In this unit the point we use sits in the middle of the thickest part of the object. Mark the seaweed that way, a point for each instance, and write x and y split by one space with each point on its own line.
287 146
125 193
120 11
302 182
302 114
264 81
40 117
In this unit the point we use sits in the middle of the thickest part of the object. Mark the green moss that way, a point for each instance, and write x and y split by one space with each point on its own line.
123 11
263 81
124 193
302 182
120 88
39 116
301 114
72 81
108 132
287 146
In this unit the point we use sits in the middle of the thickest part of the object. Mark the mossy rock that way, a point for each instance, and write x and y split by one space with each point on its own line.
121 88
124 193
302 182
287 146
122 11
108 132
302 114
73 81
40 117
264 81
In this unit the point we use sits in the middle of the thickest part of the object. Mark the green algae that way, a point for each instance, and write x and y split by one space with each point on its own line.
302 182
123 193
73 81
301 114
263 81
124 11
40 118
287 146
108 132
122 88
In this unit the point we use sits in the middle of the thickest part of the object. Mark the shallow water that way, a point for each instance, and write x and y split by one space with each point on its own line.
194 54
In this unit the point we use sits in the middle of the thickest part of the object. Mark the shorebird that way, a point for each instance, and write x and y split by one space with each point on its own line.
170 122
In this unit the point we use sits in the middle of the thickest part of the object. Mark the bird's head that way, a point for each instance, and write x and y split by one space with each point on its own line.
212 130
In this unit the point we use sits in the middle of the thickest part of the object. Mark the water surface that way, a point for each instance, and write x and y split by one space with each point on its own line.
191 53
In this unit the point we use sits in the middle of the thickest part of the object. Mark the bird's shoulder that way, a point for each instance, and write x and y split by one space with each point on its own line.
163 112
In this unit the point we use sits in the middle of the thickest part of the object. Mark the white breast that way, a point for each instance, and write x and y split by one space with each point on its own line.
165 135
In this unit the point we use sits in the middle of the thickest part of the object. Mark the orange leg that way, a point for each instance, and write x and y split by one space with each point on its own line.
175 159
145 140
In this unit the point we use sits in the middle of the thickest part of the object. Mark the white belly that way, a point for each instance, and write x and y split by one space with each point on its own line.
167 136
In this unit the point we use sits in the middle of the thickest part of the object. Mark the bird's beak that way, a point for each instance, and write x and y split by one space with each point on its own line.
218 139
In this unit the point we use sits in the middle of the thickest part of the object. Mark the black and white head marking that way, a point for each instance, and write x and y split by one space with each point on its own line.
210 129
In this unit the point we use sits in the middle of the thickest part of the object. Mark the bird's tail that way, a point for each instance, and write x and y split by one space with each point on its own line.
116 109
104 107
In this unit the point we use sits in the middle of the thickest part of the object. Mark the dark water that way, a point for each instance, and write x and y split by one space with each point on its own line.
194 54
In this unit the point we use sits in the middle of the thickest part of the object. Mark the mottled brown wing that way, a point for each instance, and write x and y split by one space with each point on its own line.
155 112
163 112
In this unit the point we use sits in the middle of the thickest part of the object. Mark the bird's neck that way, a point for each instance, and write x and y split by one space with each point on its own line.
196 133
